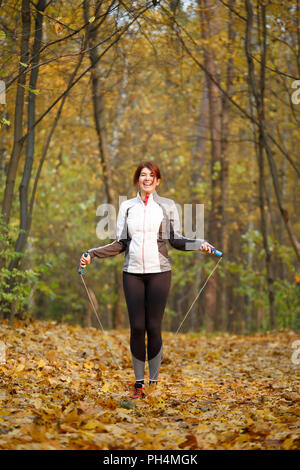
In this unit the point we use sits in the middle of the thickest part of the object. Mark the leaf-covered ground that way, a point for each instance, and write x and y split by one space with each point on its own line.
61 389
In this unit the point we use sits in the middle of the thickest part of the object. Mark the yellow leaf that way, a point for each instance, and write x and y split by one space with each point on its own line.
94 424
87 434
52 381
190 442
105 387
20 367
73 416
91 424
57 27
69 408
67 427
288 444
50 355
38 403
37 432
295 410
88 365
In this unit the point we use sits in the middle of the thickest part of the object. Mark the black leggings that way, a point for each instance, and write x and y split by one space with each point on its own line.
146 297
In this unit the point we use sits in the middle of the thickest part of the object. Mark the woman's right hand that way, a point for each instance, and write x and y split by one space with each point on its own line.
84 261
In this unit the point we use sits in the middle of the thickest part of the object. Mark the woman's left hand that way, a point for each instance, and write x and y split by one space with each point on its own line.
206 247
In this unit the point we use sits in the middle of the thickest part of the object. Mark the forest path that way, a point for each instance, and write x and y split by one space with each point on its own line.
61 389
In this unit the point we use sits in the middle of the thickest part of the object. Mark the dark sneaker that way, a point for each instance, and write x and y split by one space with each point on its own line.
138 391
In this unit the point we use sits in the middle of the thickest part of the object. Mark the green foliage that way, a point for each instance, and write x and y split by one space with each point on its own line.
253 285
287 295
15 285
4 122
128 404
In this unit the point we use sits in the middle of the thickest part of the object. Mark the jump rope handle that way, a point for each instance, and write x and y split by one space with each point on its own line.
217 252
81 268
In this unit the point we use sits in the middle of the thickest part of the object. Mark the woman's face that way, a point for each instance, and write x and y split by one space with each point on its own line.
148 181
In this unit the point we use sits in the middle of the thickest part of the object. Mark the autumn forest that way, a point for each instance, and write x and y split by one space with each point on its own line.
207 90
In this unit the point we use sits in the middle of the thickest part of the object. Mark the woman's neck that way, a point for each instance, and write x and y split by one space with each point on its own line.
143 194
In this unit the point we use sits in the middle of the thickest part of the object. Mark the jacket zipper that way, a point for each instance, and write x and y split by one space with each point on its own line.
145 204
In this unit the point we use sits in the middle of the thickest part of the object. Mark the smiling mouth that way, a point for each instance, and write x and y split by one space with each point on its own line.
147 184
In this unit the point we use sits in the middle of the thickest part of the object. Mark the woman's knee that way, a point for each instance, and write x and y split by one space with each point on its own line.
153 332
137 331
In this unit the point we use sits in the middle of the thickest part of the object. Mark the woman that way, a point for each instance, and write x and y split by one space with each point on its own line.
144 224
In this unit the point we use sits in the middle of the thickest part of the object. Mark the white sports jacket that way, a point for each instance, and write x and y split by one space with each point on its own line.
142 231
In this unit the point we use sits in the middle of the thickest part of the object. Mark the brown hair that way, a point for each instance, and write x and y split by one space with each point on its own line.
151 166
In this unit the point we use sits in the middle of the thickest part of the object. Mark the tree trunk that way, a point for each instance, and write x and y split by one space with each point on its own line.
222 306
121 108
24 186
19 109
99 103
99 119
210 23
259 103
261 125
118 312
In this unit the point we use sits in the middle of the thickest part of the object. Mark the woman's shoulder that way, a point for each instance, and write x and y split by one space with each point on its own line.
164 201
128 203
